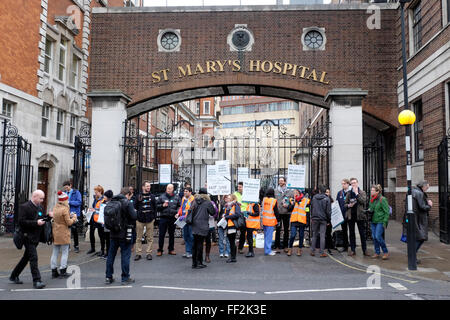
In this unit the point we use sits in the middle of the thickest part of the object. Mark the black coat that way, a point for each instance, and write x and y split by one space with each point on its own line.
146 207
28 216
421 210
321 208
201 209
172 209
128 217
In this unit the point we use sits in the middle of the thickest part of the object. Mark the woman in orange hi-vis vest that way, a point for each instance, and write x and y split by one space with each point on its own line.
298 221
252 223
98 200
270 218
232 213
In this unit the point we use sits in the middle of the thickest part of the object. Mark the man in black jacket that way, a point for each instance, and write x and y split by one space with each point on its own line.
146 213
122 238
320 217
31 219
168 205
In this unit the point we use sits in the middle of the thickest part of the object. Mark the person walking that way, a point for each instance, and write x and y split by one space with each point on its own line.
379 208
186 204
298 221
211 232
168 205
283 196
320 217
340 197
121 238
31 220
201 210
146 214
355 203
232 213
75 203
421 207
63 219
99 199
243 207
270 219
328 237
252 223
224 243
108 195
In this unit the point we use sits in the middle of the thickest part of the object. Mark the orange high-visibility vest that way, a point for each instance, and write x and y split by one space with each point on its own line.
188 206
232 211
253 222
268 214
299 212
97 209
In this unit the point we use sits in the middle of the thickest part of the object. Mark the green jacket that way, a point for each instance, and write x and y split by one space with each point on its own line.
380 209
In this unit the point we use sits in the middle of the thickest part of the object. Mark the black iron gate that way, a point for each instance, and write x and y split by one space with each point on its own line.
81 164
444 195
15 175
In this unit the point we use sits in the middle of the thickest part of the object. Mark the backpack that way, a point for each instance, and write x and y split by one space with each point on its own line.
240 222
113 215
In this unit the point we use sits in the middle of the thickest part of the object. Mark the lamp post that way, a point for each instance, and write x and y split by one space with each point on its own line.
407 118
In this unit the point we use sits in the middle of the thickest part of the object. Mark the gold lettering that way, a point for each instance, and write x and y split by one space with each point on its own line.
302 75
287 67
252 65
183 72
210 65
199 69
294 71
322 78
236 66
277 67
270 66
156 77
165 74
313 73
221 65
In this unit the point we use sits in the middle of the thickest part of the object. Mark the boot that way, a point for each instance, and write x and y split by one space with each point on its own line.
55 274
299 252
64 273
289 252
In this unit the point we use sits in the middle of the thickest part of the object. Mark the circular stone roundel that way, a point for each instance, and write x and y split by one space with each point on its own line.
241 39
314 39
170 40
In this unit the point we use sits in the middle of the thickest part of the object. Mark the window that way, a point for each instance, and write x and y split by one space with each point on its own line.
417 26
163 121
206 108
7 108
73 125
60 125
48 55
74 72
62 60
197 108
418 131
45 119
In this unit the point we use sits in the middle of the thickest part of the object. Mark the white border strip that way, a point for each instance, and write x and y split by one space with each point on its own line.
200 289
324 290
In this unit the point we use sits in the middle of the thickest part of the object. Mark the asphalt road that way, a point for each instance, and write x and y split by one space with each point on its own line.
259 278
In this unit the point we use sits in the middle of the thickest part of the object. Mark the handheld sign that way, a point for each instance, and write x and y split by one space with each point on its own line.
165 174
296 176
250 192
336 215
242 174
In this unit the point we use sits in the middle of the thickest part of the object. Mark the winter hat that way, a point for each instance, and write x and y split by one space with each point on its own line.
62 196
203 191
108 194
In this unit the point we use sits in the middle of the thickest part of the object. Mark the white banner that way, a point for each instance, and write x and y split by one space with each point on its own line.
336 215
218 184
250 192
165 173
296 176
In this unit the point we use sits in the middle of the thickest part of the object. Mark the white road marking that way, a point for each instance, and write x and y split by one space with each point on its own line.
60 289
324 290
397 286
414 296
199 289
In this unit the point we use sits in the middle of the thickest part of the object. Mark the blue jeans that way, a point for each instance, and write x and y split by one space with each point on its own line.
301 232
125 254
222 238
188 238
268 235
377 235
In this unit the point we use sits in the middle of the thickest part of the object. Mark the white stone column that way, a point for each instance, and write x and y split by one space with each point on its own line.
108 116
346 131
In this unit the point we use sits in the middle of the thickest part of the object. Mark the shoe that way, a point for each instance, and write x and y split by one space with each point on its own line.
289 252
109 280
76 249
149 257
128 281
172 253
55 273
366 254
385 256
221 255
104 257
342 250
250 255
201 265
189 256
90 251
100 253
194 266
15 280
329 252
64 273
231 260
159 254
351 253
226 255
299 252
418 261
323 255
375 256
207 259
272 253
137 257
241 251
313 253
38 285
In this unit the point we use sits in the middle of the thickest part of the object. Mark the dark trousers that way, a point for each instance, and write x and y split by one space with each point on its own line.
74 231
246 233
319 229
233 249
362 233
107 241
101 234
419 243
166 224
30 255
328 238
125 255
285 220
197 250
344 227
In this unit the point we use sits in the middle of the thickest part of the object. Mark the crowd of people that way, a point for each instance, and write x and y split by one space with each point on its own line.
290 210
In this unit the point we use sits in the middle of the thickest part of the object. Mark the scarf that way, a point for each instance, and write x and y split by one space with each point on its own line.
373 198
281 190
299 197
